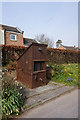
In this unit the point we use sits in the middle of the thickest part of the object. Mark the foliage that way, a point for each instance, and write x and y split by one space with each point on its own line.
12 53
12 98
4 69
57 69
10 66
11 102
66 73
43 39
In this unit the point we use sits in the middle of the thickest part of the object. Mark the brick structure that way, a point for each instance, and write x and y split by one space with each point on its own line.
11 35
17 42
31 66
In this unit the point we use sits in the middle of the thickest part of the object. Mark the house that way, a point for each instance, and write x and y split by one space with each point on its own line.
11 35
59 45
31 66
67 47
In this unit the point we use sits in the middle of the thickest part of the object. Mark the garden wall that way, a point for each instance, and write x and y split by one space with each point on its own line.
11 53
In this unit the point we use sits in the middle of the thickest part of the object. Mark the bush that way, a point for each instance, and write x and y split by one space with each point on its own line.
10 66
12 98
11 102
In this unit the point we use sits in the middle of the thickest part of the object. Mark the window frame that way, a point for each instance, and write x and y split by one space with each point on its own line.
15 37
38 65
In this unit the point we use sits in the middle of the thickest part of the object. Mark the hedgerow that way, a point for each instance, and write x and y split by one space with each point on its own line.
12 53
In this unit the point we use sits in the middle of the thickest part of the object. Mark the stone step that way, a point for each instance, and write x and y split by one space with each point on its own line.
40 90
41 98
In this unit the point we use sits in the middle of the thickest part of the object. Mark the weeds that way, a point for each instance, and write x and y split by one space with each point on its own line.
66 73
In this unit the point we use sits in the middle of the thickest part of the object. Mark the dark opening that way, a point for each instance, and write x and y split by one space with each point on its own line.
38 65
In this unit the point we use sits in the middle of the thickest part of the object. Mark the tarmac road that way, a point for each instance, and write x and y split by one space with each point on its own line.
65 106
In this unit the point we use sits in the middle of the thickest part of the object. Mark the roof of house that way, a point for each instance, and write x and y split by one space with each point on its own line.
28 41
10 28
69 47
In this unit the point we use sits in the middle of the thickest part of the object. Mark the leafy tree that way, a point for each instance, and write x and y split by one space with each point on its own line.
43 39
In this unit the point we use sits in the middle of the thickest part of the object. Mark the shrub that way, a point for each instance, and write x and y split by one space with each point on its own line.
12 98
11 102
10 66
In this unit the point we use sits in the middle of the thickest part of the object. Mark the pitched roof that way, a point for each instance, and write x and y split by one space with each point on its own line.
28 41
10 28
69 47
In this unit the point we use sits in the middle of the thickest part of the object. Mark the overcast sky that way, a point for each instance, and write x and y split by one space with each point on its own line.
57 20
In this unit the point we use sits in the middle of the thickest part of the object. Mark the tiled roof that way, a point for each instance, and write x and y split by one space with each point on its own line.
28 41
10 28
69 47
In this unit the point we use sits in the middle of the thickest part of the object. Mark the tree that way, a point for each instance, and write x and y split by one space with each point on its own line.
58 43
43 39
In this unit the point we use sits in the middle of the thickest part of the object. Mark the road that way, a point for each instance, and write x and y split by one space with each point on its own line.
65 106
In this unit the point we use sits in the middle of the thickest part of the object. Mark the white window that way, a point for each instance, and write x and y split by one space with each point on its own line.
13 37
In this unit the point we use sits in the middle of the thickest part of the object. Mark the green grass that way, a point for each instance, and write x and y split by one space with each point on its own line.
68 74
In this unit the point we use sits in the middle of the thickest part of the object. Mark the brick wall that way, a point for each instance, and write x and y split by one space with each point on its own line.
18 42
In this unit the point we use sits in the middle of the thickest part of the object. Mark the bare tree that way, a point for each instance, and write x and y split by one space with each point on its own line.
43 39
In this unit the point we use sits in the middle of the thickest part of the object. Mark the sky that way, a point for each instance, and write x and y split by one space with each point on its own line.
57 20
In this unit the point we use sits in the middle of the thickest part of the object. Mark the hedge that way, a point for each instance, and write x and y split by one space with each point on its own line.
12 53
62 56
